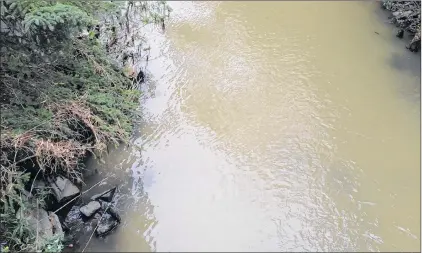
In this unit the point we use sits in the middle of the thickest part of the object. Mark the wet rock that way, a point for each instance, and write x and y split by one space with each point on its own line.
106 195
106 225
63 189
112 211
401 14
105 205
73 221
140 77
44 224
55 222
38 220
413 47
415 43
400 33
78 229
89 209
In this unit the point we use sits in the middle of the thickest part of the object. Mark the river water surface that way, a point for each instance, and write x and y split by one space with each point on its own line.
273 126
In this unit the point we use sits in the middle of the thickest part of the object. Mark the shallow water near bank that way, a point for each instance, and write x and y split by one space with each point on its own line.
272 126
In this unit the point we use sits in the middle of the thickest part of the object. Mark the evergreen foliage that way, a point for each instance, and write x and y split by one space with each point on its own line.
61 97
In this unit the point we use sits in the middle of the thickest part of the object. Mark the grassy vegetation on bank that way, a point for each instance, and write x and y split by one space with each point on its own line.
61 97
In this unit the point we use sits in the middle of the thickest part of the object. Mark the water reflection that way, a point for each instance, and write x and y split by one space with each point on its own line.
262 133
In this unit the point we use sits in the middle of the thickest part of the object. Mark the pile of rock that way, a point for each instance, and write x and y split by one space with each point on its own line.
42 220
102 208
99 213
407 16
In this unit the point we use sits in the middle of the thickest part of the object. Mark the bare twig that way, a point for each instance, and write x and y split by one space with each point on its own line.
32 185
36 239
23 160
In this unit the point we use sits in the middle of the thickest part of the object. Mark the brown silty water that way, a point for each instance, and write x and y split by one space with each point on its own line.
272 126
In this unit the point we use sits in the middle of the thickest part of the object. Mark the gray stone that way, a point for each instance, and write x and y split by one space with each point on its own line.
400 33
44 224
73 221
55 222
105 205
106 195
106 225
89 209
63 189
114 213
37 220
79 230
401 13
41 223
396 13
109 208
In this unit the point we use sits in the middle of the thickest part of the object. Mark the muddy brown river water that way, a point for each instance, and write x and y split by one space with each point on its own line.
272 126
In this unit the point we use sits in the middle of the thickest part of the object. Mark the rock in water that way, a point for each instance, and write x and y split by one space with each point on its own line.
108 207
114 213
413 47
400 33
106 195
140 77
89 209
106 225
73 219
63 189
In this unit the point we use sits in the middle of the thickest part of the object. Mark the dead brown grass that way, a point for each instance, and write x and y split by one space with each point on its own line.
56 154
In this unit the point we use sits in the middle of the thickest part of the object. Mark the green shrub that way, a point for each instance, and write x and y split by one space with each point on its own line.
61 97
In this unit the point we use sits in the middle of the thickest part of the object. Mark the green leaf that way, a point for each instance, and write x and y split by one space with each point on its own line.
5 249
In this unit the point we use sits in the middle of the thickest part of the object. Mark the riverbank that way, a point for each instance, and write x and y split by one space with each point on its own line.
406 15
64 96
